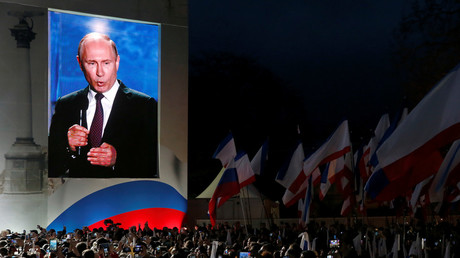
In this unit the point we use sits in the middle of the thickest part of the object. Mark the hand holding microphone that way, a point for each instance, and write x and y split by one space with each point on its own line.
77 136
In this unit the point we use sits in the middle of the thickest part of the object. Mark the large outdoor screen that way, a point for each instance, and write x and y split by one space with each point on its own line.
132 124
44 80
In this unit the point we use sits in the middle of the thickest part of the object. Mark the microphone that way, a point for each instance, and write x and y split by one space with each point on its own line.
80 124
82 120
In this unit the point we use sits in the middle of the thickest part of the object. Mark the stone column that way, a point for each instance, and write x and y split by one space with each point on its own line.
24 161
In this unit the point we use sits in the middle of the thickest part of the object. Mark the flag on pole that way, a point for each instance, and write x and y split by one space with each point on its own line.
292 168
357 244
346 184
244 170
359 182
340 171
290 198
300 208
448 173
397 120
360 199
395 249
346 206
315 177
447 252
360 162
454 195
379 188
419 191
344 168
343 178
416 247
305 243
228 186
328 172
226 150
434 123
382 248
336 146
308 200
369 150
342 175
259 160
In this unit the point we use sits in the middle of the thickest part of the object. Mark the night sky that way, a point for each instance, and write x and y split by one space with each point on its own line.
331 60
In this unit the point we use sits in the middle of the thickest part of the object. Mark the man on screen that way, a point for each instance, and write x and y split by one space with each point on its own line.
106 129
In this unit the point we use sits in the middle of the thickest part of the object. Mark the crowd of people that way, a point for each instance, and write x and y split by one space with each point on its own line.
439 239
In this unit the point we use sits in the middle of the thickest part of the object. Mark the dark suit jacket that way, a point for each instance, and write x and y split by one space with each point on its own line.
131 129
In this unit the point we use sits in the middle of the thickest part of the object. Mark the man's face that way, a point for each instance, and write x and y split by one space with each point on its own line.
99 64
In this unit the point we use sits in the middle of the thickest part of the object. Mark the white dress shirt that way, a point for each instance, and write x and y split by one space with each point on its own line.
107 103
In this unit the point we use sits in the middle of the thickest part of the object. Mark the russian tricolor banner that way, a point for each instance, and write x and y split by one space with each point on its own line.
129 203
228 186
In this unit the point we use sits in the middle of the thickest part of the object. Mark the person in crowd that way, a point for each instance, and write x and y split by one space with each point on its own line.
116 242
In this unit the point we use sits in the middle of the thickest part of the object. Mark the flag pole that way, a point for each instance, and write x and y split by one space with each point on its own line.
248 207
353 171
244 215
267 215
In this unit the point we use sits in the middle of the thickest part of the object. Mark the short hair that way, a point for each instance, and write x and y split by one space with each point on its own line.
81 246
97 35
88 253
3 251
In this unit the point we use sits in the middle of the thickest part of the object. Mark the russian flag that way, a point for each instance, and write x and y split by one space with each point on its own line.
226 150
259 160
336 146
129 203
410 152
228 186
